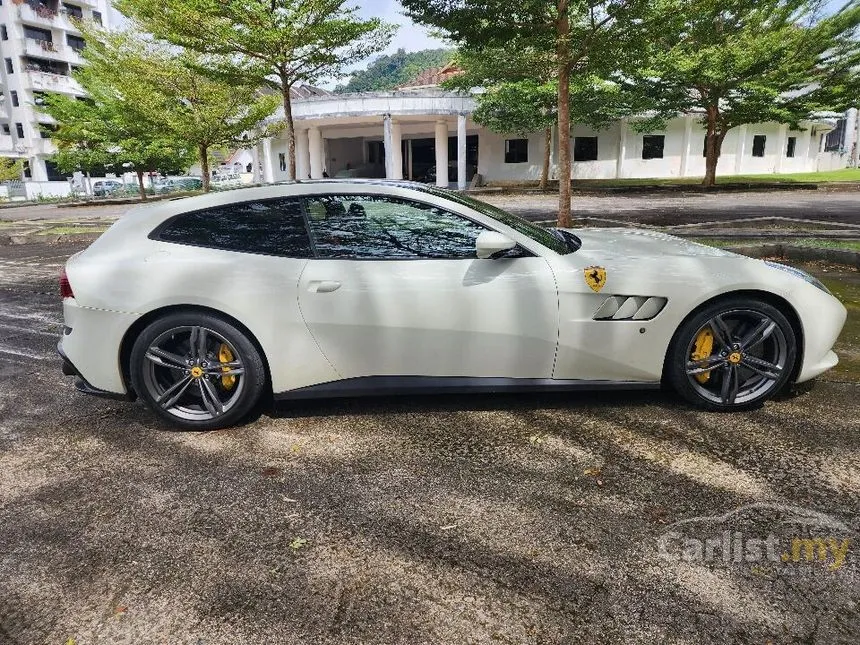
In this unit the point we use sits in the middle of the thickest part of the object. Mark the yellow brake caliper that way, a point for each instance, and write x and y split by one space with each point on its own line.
704 346
226 356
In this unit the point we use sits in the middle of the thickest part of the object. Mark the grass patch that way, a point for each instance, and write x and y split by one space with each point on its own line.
816 243
71 230
842 175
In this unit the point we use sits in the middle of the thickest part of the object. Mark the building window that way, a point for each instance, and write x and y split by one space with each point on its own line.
585 149
834 139
516 150
19 128
27 172
14 95
375 152
652 146
9 68
73 11
4 33
75 42
792 146
6 129
97 17
759 141
282 161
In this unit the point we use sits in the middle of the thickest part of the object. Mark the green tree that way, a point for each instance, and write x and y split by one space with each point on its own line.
583 38
104 131
391 71
166 88
746 61
10 169
273 43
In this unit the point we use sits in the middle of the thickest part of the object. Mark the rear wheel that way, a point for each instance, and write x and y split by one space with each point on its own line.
733 355
197 371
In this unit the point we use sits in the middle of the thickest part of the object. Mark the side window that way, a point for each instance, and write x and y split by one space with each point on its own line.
377 227
652 146
274 227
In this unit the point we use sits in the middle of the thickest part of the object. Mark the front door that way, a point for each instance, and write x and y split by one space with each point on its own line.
398 291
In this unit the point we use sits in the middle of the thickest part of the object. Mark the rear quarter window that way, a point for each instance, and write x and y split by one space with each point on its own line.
273 227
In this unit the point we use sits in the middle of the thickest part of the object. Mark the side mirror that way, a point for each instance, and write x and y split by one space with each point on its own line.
490 242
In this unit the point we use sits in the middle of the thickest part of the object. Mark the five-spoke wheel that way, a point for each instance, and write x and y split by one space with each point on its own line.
733 355
197 370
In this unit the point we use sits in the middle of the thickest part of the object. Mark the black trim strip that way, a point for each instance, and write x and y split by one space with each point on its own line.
82 385
387 385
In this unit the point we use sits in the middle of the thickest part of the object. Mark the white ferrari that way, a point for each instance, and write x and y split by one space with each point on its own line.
204 307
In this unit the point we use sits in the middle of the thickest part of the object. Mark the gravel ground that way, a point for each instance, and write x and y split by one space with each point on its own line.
480 519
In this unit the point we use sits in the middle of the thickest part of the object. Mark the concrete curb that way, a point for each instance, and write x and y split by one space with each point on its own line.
33 237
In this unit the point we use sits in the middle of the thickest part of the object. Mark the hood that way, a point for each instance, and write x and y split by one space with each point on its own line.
640 243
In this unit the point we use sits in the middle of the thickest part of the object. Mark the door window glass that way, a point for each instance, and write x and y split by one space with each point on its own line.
377 227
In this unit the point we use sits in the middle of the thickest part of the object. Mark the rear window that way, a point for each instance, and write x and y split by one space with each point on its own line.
272 227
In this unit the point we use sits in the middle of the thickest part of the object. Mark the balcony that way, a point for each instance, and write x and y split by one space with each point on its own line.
6 143
47 82
51 51
41 16
42 146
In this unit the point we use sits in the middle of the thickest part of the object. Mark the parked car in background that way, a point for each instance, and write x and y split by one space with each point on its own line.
105 187
221 182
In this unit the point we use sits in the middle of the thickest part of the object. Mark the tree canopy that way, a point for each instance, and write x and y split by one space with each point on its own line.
274 43
746 61
393 70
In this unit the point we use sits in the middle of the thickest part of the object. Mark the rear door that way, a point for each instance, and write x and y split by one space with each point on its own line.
396 289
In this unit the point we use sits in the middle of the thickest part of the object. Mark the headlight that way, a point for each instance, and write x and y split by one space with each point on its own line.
803 275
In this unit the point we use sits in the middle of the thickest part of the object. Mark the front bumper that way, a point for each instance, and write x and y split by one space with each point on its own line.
82 385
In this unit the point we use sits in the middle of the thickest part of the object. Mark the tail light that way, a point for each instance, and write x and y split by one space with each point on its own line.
65 286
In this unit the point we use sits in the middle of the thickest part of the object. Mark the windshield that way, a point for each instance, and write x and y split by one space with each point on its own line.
562 242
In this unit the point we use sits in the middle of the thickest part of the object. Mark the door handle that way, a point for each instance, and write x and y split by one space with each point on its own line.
323 286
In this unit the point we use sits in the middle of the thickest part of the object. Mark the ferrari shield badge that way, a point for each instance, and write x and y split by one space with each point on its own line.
595 277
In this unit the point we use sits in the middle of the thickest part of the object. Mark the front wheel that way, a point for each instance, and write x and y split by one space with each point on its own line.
733 355
197 371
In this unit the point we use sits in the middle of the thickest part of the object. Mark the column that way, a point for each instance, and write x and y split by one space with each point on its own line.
268 167
622 148
781 144
856 154
685 145
442 154
255 164
396 151
461 152
303 155
387 146
315 151
740 149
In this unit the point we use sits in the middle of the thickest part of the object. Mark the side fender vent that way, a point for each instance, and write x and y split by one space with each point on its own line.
630 308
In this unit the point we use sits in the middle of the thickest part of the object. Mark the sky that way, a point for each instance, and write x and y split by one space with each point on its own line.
409 36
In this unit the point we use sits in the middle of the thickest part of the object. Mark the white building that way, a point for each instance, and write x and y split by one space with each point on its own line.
408 133
39 47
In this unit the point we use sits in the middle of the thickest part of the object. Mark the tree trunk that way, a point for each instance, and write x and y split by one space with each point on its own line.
563 54
713 146
291 133
203 154
140 186
547 153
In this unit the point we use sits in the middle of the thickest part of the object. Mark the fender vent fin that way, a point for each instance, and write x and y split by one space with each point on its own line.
630 308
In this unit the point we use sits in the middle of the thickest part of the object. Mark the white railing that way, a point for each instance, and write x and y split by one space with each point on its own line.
6 143
49 82
41 16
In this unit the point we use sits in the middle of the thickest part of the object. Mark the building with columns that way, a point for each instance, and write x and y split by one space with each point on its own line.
408 134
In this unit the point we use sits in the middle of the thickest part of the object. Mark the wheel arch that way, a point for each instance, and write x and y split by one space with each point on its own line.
780 303
141 323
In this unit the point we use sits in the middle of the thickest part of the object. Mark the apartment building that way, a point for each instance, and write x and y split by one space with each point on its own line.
40 46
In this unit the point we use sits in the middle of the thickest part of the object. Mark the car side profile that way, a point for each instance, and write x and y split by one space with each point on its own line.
106 187
202 306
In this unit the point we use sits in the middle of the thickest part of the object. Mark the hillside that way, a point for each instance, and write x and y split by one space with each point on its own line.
391 71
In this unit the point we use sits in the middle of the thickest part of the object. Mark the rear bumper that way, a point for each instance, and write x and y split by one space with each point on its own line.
82 385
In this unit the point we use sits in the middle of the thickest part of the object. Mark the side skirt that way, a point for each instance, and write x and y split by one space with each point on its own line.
390 385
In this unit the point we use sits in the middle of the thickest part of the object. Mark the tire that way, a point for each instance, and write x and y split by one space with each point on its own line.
192 389
753 350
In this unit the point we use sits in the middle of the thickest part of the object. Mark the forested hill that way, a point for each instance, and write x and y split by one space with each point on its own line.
388 72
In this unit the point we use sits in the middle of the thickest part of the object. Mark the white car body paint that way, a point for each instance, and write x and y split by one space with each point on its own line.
321 320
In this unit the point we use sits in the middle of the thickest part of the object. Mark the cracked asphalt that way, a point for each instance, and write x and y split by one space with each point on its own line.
454 519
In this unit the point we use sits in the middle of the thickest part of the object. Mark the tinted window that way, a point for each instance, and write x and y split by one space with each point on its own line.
275 227
516 150
652 146
585 149
370 226
759 141
792 146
